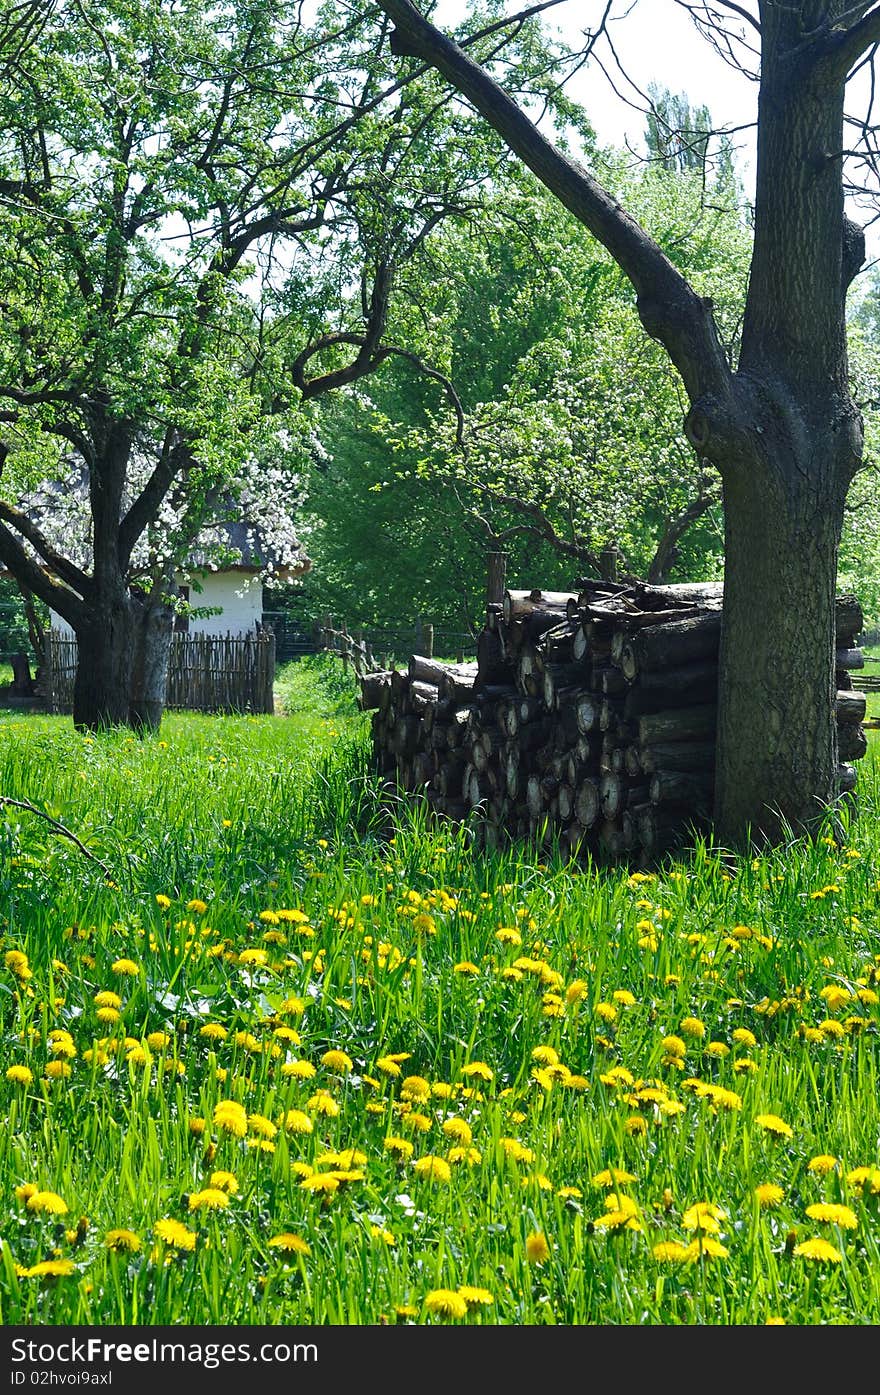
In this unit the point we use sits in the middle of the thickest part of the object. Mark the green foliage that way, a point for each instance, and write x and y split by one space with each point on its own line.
572 418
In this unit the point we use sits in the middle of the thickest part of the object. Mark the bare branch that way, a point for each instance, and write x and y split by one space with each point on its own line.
669 308
59 829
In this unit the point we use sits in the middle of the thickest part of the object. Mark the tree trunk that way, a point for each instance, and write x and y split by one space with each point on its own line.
105 663
776 761
154 626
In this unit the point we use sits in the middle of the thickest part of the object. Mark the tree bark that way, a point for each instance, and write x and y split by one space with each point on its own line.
105 665
154 626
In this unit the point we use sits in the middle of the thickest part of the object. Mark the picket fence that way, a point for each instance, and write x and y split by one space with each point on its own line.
206 673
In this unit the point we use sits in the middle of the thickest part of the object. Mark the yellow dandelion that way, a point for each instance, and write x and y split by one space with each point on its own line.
819 1250
670 1252
50 1269
19 1075
320 1182
476 1297
209 1199
176 1235
388 1066
480 1070
299 1070
224 1181
446 1303
823 1163
337 1061
537 1248
773 1124
706 1248
704 1216
122 1241
458 1129
290 1244
433 1169
49 1202
833 1214
230 1117
126 968
768 1195
399 1147
297 1121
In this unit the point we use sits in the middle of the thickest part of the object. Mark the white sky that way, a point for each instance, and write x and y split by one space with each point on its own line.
658 42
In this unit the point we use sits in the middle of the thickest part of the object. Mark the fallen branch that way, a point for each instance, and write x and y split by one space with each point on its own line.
60 829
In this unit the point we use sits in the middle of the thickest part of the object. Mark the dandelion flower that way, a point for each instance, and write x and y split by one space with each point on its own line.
537 1248
213 1031
50 1269
176 1235
706 1248
613 1177
773 1124
290 1244
692 1027
445 1302
230 1117
49 1202
19 1075
744 1037
209 1199
476 1297
819 1250
865 1178
704 1216
478 1069
458 1129
320 1182
122 1241
337 1061
768 1195
415 1087
126 968
823 1163
399 1147
670 1252
296 1121
433 1169
833 1214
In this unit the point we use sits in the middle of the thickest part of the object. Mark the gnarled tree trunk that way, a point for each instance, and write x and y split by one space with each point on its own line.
105 665
149 680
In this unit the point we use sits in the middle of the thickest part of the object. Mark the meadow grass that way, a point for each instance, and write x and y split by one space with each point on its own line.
312 1061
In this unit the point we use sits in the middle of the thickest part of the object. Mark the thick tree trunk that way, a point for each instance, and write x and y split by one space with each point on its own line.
105 663
776 761
154 626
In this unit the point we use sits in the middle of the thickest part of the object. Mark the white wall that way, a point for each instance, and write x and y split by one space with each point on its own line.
240 594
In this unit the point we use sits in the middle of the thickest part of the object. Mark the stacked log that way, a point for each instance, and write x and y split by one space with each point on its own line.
587 722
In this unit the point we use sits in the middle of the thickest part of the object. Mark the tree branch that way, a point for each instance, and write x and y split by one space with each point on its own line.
26 571
63 569
844 47
669 308
59 829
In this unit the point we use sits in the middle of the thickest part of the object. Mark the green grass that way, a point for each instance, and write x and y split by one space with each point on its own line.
383 936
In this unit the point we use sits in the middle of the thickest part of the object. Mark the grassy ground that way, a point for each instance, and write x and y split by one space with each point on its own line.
305 1064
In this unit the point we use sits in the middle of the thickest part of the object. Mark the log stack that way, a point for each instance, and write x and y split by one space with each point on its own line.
588 719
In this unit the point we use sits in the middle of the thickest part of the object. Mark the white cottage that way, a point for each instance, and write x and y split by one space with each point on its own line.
234 592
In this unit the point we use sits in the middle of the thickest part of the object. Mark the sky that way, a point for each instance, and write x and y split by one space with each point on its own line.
658 42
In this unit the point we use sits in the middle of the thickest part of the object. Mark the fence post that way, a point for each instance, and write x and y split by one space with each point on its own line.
419 637
429 641
496 578
608 559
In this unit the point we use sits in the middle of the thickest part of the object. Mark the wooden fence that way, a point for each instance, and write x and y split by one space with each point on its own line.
206 673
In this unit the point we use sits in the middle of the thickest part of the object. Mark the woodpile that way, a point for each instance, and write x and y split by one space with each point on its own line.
588 719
